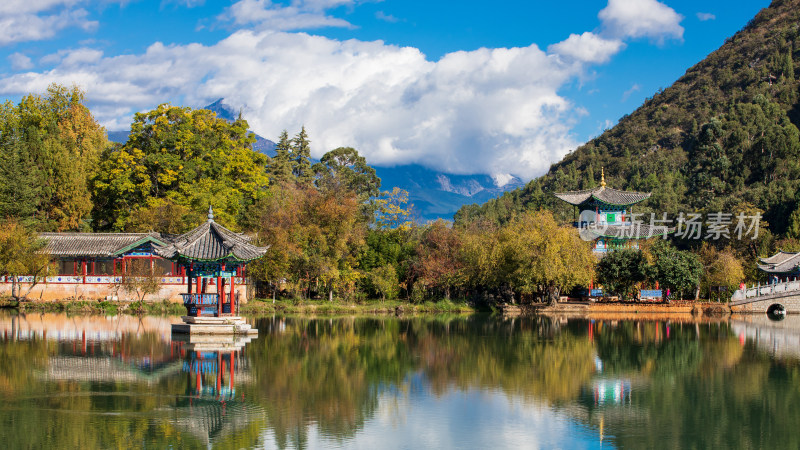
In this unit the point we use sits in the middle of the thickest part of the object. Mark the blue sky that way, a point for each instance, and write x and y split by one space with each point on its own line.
465 87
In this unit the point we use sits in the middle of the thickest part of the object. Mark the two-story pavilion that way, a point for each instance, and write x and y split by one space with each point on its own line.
606 217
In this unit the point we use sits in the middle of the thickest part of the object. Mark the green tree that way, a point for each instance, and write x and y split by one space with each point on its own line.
59 141
543 256
384 281
301 158
184 157
677 270
344 168
619 271
21 255
280 168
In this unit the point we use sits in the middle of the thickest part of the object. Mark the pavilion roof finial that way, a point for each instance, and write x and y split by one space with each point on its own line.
602 177
210 214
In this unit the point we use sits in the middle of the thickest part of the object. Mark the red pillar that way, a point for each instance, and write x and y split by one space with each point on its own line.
220 294
233 295
189 279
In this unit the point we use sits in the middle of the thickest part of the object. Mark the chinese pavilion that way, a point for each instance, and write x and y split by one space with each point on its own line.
211 254
783 266
606 217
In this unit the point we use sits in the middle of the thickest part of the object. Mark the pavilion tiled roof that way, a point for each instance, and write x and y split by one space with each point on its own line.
603 194
211 242
781 262
627 230
67 245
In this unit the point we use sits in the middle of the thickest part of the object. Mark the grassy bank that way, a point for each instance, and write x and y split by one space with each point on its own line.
322 307
95 307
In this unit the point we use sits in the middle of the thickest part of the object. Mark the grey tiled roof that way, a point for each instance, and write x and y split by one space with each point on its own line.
604 194
781 262
93 244
628 230
211 242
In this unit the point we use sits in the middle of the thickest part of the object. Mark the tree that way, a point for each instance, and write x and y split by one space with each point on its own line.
439 265
619 271
280 169
391 211
721 268
315 237
140 279
49 147
345 168
384 281
181 156
676 270
22 254
301 158
542 255
20 192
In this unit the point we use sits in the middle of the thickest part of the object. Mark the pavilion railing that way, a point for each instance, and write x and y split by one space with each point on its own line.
200 299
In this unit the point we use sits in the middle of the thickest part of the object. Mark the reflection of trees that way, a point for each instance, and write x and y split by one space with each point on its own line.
697 386
328 372
642 348
74 414
324 372
705 389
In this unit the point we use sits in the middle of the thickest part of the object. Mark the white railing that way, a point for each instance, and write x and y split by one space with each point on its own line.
767 289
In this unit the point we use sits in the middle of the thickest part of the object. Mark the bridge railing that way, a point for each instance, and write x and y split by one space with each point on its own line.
767 289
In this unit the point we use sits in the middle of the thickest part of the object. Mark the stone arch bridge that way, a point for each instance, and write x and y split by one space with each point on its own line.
760 299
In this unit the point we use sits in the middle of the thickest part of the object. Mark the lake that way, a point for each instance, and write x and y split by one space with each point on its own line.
385 382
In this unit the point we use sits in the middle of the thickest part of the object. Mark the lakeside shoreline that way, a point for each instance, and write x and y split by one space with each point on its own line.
389 307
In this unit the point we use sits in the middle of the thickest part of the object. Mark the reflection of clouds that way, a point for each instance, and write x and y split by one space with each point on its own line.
473 418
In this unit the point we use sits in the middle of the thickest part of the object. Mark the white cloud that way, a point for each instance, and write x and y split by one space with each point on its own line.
494 111
587 47
641 18
20 61
299 15
380 15
36 26
705 16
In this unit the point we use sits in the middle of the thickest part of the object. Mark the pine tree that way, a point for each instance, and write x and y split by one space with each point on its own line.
301 158
280 169
22 184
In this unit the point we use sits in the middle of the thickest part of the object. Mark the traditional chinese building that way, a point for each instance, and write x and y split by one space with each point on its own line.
211 255
782 266
605 216
92 265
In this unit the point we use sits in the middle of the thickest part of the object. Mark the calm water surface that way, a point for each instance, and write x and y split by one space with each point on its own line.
476 382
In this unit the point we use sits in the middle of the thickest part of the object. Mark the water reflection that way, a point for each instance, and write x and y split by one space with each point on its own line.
367 382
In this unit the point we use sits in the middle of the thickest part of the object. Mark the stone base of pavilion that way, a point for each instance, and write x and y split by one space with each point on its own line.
213 342
224 325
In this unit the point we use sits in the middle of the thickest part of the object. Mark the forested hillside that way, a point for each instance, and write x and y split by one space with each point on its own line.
723 137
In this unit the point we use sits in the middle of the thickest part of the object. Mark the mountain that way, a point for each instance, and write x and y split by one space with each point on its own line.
438 195
723 138
435 195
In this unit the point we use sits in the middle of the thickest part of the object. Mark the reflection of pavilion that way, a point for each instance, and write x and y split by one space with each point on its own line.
780 339
211 410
